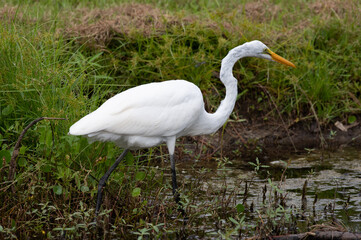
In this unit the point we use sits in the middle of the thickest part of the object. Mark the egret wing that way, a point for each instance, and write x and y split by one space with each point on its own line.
156 109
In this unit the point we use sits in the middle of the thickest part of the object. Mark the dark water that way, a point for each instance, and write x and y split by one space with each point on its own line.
336 180
335 177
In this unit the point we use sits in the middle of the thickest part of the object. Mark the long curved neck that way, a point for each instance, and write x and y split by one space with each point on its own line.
211 122
230 82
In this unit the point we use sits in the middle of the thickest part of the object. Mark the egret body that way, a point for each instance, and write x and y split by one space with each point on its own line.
156 113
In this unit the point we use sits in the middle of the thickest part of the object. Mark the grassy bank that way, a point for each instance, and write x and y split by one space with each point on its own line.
64 59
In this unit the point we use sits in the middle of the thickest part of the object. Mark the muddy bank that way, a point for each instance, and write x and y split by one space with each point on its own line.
272 140
277 140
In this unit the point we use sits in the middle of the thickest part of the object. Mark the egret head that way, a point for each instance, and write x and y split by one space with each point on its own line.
258 49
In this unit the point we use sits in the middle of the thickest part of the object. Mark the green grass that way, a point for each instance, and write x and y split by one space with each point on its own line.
45 71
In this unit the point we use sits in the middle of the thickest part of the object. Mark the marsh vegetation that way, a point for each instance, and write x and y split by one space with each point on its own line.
63 59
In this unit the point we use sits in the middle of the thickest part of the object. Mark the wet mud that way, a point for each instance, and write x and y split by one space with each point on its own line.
273 140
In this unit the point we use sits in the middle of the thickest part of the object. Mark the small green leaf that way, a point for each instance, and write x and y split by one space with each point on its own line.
49 139
234 220
84 188
129 159
22 150
139 176
69 229
136 192
58 189
22 162
351 119
4 154
240 208
110 151
135 210
253 164
13 223
156 229
7 110
42 131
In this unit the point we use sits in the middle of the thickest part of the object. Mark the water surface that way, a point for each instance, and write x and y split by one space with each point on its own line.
334 178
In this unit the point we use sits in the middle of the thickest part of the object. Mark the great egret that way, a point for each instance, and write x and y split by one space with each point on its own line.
148 115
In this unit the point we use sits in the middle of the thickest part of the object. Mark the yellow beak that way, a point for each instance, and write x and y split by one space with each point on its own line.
280 59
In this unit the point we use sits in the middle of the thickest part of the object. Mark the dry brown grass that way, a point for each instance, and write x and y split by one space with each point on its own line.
296 21
265 10
10 14
261 11
330 8
97 27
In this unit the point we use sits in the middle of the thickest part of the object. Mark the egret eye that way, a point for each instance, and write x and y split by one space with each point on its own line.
267 51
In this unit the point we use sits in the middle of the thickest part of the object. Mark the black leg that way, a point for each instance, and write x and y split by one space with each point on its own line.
103 180
175 186
174 179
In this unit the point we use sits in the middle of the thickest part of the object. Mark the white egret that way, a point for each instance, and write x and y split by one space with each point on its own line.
148 115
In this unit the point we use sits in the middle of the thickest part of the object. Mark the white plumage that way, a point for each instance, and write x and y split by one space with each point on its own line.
144 116
150 114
